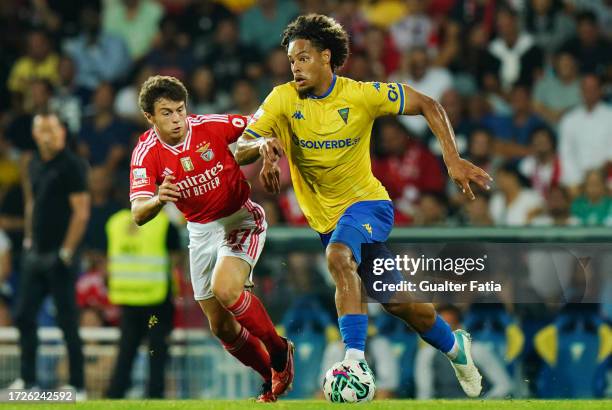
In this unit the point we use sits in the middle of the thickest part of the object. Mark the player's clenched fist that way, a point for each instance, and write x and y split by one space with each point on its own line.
271 149
270 177
168 192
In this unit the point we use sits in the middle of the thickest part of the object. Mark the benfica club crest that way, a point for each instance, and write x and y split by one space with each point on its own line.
206 153
187 164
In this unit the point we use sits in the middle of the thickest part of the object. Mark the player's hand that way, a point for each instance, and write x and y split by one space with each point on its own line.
270 177
168 192
271 150
463 172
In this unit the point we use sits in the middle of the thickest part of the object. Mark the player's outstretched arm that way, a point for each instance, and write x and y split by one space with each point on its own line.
462 172
249 149
145 209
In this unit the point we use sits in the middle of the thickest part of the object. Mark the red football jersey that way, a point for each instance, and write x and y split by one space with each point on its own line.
211 183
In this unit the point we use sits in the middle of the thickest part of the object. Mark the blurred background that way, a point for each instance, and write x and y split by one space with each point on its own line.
526 85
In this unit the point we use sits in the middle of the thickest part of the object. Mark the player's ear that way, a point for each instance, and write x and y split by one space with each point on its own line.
148 117
326 55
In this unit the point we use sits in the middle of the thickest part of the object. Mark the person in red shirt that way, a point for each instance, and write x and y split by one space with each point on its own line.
186 159
406 168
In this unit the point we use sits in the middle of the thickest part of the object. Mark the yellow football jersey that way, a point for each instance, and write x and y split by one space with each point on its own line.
327 142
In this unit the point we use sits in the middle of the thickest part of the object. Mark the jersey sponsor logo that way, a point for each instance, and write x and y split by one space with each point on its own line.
201 183
139 173
327 144
140 182
344 112
187 164
206 153
298 115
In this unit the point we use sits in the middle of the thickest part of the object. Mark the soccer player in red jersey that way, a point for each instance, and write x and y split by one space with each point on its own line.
186 159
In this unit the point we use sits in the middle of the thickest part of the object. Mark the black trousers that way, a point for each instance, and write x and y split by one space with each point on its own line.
136 323
42 274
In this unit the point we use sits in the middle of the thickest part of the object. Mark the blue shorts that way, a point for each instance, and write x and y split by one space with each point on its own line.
362 222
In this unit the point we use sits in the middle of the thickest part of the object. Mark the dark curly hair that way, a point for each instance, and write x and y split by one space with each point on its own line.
160 86
323 32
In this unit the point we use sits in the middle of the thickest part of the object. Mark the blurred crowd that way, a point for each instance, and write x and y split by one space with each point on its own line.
525 83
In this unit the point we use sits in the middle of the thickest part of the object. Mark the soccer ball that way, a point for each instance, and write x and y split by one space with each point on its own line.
349 381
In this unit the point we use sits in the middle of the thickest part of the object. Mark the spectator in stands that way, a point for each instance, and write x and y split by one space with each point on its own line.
549 24
359 68
278 71
199 20
148 311
414 30
381 52
102 207
206 98
557 209
519 56
542 166
432 210
558 91
57 205
5 312
585 135
40 62
594 206
473 13
126 101
19 129
261 25
68 98
245 98
476 212
514 204
417 71
474 64
103 137
350 15
136 21
513 131
99 56
171 56
405 167
589 47
230 58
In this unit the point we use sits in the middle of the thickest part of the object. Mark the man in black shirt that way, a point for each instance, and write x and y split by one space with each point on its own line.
56 213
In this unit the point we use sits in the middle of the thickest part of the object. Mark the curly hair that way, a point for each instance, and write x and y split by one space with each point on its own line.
160 86
323 32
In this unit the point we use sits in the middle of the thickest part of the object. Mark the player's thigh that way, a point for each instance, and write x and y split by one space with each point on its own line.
229 277
222 323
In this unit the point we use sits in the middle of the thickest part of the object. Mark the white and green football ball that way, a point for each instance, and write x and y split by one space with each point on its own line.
349 381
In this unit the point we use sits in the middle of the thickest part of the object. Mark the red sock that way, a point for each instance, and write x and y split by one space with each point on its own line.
249 350
250 313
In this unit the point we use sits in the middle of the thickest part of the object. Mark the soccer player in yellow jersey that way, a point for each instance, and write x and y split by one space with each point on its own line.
323 123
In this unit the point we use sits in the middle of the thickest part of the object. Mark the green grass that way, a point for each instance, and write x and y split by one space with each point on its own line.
321 405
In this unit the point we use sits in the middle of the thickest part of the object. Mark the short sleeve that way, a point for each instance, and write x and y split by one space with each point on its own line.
142 176
237 125
76 176
265 119
383 98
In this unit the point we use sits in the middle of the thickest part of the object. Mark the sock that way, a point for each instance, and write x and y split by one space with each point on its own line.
354 330
249 350
250 313
441 337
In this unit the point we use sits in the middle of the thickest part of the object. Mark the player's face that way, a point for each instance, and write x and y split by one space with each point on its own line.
308 65
169 119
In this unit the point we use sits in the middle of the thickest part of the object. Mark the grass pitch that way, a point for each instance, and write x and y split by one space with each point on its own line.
321 405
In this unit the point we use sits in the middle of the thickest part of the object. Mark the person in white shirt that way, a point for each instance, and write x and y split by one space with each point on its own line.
514 204
585 135
417 71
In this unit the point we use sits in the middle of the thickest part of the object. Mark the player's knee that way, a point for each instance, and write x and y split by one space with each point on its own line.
225 294
340 262
397 309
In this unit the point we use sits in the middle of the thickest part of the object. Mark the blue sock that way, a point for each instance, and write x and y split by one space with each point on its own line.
440 336
354 330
